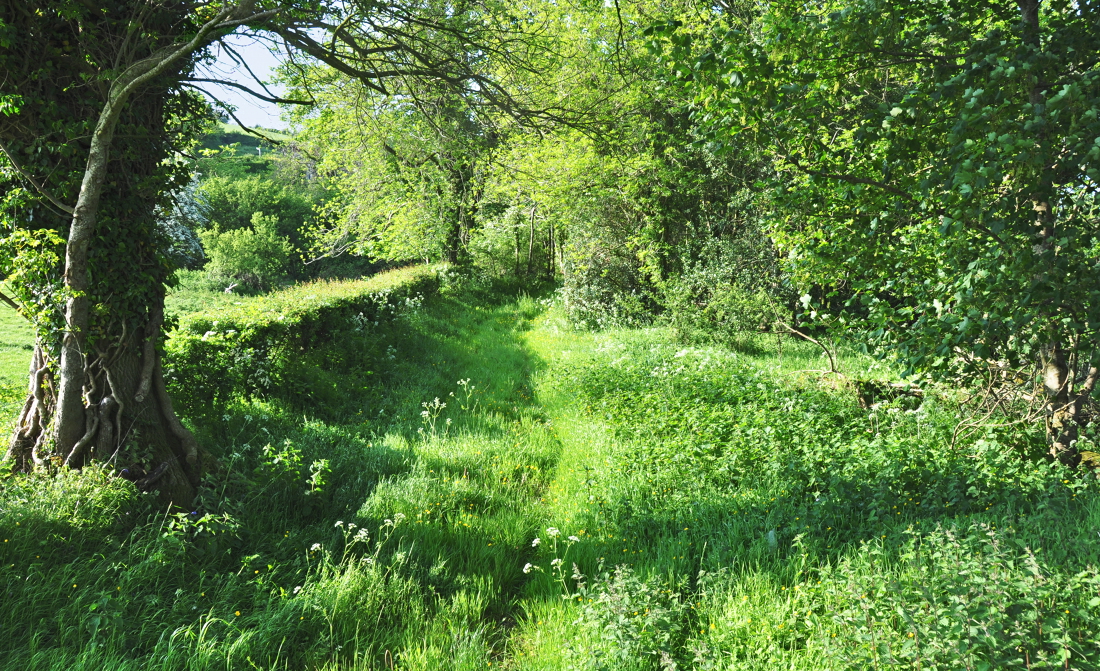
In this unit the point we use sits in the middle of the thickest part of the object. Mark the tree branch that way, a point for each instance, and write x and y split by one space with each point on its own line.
229 110
13 304
242 87
41 189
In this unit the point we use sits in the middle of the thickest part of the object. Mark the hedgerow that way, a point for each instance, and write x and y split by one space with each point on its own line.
251 350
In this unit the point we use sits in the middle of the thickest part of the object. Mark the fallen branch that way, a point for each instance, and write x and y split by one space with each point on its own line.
800 334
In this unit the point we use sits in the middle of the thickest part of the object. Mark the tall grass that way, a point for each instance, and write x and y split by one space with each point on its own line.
477 485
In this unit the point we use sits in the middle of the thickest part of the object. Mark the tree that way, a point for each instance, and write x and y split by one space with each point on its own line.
91 105
407 171
423 146
936 169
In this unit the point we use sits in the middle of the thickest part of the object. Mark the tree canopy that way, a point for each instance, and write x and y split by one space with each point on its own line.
935 170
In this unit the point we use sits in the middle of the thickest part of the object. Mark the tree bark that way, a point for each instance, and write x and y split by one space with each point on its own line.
70 414
531 239
1065 403
137 433
67 424
93 402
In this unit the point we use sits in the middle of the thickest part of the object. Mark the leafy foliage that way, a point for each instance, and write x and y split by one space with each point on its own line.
256 256
254 349
936 171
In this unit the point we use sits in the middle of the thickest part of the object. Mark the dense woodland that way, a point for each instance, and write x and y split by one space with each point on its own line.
551 335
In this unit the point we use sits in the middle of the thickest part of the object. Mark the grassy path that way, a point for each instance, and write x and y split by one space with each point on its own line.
724 511
475 486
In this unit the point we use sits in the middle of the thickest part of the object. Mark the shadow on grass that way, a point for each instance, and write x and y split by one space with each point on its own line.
339 442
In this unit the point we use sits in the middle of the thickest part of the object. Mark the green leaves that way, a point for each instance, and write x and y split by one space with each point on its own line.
912 148
10 103
249 350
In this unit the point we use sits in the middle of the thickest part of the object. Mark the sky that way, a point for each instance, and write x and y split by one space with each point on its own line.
251 111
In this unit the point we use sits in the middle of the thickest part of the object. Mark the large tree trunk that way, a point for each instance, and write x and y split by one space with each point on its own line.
104 398
67 423
128 419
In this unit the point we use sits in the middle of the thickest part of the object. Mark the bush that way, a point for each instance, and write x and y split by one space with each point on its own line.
251 350
257 257
733 289
604 284
230 202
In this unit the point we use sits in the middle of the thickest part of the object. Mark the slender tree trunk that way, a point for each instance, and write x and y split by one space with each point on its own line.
1066 401
531 240
515 235
550 249
454 237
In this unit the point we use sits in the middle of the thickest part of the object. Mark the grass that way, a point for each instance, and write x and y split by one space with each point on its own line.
710 509
197 293
16 347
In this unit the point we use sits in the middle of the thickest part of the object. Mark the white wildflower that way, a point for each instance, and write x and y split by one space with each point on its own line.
552 532
535 543
556 562
315 548
340 523
574 539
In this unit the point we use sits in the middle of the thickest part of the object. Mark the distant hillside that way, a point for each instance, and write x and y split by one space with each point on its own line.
232 133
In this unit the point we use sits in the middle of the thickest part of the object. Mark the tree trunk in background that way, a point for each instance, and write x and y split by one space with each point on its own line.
531 241
127 419
550 249
1066 401
454 237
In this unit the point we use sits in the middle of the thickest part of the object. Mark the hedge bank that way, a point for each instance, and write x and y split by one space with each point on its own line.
248 350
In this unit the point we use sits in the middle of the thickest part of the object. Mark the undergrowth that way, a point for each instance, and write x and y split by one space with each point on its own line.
474 484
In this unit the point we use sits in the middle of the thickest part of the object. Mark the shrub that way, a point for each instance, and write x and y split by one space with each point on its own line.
628 622
604 284
734 288
258 256
229 203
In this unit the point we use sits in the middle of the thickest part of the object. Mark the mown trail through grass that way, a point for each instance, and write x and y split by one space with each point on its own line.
477 485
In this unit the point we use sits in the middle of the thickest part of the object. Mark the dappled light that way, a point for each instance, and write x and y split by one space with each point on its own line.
550 336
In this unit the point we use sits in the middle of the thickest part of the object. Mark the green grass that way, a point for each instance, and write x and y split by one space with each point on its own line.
197 293
727 511
16 347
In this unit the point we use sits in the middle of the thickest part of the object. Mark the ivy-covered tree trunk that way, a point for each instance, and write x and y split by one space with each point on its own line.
1066 398
99 130
128 421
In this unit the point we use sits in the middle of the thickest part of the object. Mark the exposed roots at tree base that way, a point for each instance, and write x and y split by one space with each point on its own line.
129 422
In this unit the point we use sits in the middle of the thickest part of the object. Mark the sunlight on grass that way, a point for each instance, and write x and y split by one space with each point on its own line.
503 491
